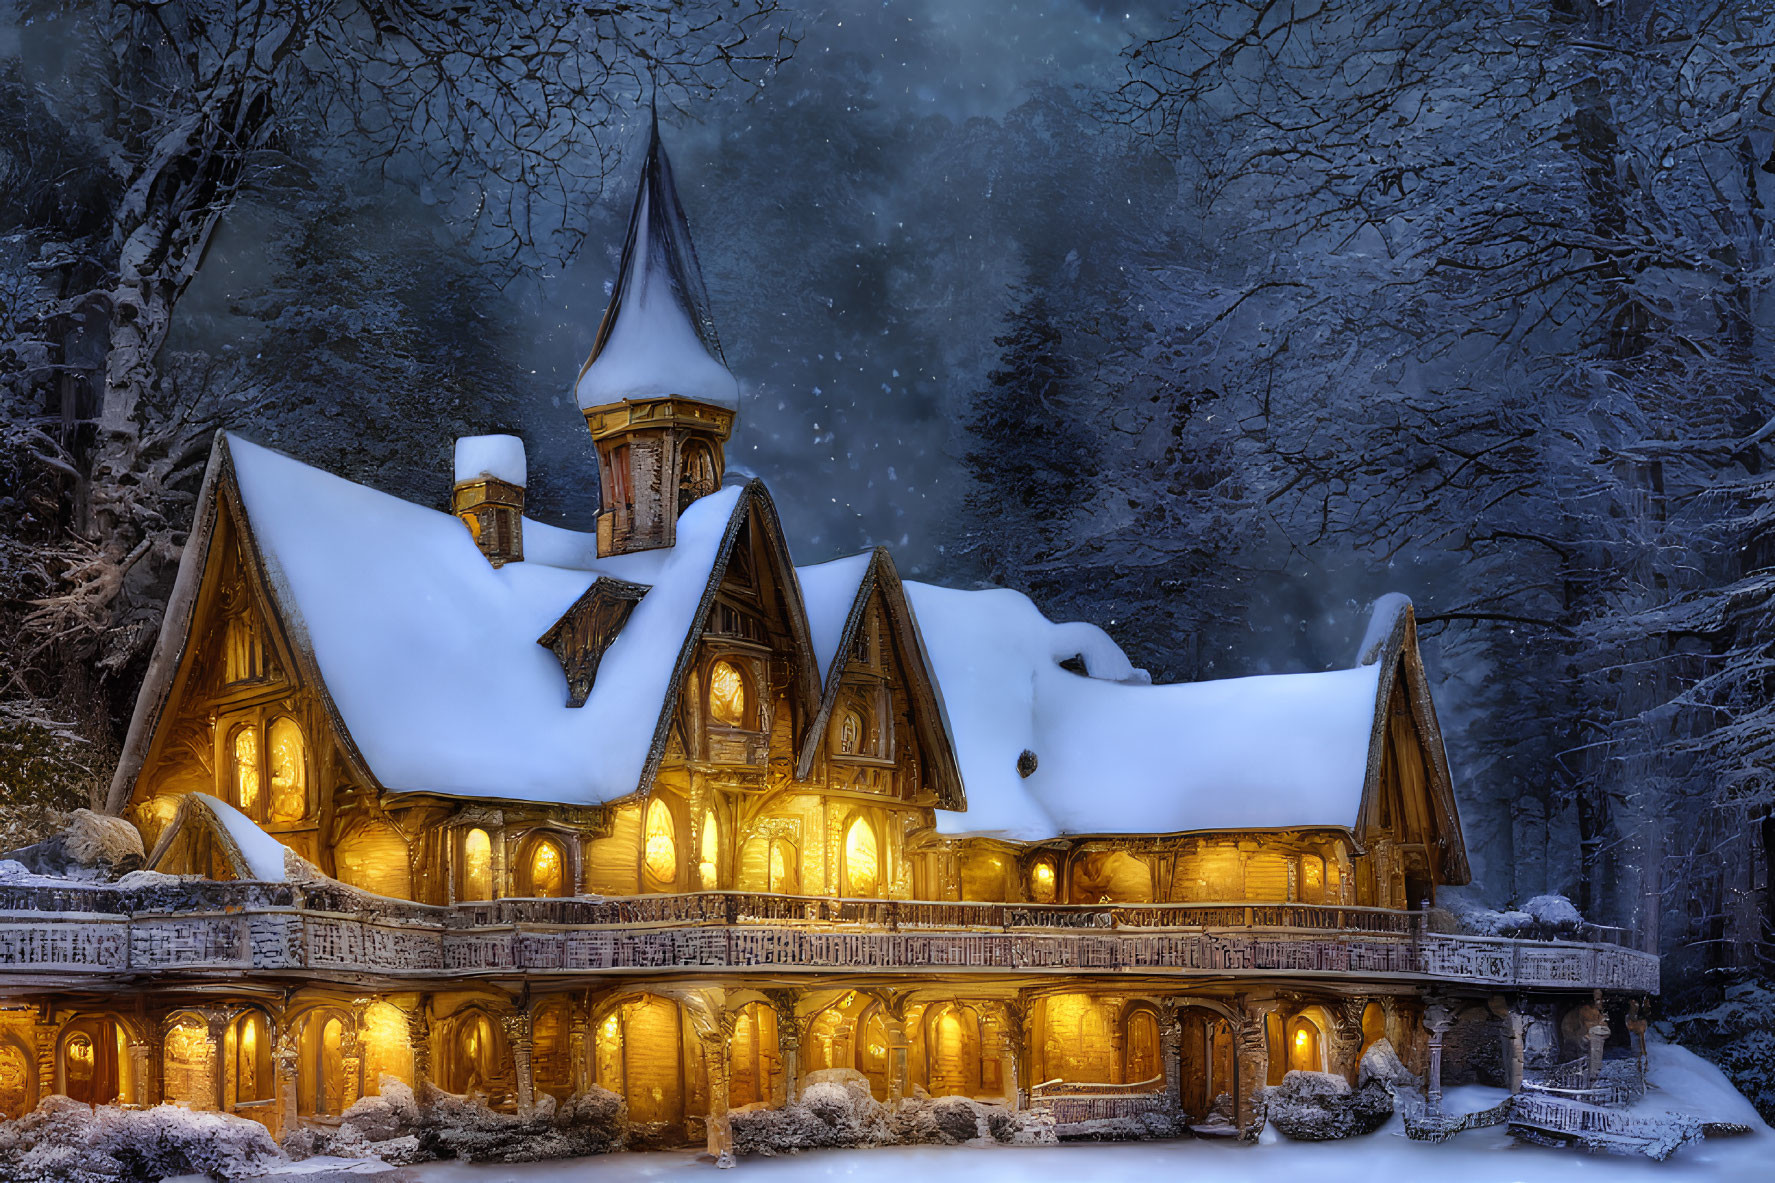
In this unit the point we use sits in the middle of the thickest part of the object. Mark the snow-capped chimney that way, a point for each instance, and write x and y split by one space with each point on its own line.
489 494
656 391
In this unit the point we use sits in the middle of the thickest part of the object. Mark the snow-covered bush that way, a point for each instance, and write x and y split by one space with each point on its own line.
838 1111
403 1126
1736 1034
1542 917
64 1141
1321 1106
87 846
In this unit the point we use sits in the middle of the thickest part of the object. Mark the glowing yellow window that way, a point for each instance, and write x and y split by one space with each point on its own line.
862 861
660 854
246 770
477 865
548 869
289 772
1041 882
727 695
708 866
1312 879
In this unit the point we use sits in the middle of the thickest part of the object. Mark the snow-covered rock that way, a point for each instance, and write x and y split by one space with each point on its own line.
1321 1107
64 1141
836 1110
1380 1063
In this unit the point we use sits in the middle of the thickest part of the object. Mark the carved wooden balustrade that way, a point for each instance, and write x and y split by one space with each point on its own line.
327 930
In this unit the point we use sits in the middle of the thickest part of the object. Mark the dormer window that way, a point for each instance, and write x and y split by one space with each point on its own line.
850 733
289 772
727 695
862 725
244 747
477 865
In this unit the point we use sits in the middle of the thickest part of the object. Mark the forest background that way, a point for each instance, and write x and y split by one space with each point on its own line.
1209 323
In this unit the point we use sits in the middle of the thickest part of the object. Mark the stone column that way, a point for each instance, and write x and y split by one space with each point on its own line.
719 1127
789 1029
1514 1025
140 1092
283 1068
1171 1053
1596 1034
1437 1021
897 1044
215 1036
351 1066
419 1041
1636 1026
43 1036
517 1033
579 1045
1253 1068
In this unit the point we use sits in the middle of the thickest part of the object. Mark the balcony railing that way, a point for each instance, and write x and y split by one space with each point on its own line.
196 927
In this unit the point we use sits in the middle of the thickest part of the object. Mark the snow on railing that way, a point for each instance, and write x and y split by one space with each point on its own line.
1072 1088
1620 1082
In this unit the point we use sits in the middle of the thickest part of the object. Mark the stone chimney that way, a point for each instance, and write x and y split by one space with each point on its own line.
489 494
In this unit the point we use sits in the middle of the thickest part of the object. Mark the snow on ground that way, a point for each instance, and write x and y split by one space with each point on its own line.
1477 1156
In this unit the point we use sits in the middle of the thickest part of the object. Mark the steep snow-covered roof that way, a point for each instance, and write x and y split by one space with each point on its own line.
431 654
1115 754
657 337
829 590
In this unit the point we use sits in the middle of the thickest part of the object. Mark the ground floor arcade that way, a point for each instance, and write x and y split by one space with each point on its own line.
685 1053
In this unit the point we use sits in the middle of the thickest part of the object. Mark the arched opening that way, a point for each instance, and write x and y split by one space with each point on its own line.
659 857
952 1050
387 1042
708 864
320 1066
188 1064
1075 1040
248 1084
862 860
873 1051
477 866
473 1056
851 733
89 1061
1278 1048
699 479
374 856
551 1054
727 695
243 749
1374 1026
17 1094
1112 877
1141 1061
543 868
1205 1056
755 1062
639 1056
1306 1045
289 771
1042 882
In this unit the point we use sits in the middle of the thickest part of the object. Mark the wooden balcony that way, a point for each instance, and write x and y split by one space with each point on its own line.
61 937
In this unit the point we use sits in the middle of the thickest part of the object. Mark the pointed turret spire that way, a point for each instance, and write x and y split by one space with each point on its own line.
657 338
656 391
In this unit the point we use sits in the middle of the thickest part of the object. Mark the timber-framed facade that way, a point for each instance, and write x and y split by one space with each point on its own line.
454 796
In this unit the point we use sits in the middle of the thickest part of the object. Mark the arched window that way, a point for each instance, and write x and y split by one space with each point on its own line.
862 860
92 1055
244 749
186 1058
708 866
249 1061
850 733
1305 1046
243 657
953 1047
1140 1047
473 1060
1312 879
79 1057
660 849
289 771
699 472
546 869
477 865
1041 881
727 695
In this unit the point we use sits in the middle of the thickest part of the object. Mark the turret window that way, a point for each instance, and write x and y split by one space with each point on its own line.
727 694
660 853
546 869
289 772
244 748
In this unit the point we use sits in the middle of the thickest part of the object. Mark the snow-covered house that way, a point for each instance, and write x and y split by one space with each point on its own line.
463 796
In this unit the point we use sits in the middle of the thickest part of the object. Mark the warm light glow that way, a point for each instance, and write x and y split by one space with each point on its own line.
607 1029
779 867
186 1068
289 772
246 1059
661 851
387 1046
707 867
547 869
727 695
477 865
246 770
862 866
1302 1041
1041 882
80 1051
